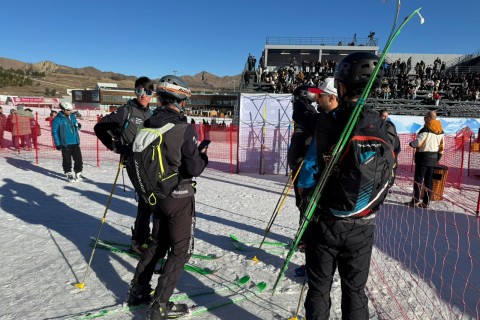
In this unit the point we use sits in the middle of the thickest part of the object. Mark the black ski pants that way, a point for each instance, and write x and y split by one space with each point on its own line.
423 175
72 151
141 229
173 227
346 244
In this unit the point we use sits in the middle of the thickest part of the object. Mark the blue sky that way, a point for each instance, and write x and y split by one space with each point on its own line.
154 38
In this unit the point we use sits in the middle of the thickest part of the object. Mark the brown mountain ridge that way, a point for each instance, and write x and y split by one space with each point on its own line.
61 78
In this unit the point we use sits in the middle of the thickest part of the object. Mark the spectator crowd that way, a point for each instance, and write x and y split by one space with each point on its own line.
430 83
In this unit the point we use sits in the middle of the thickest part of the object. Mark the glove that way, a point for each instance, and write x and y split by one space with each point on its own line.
59 147
439 156
79 126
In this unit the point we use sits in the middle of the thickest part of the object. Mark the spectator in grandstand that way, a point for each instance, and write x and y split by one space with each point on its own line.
3 125
332 241
67 140
117 131
436 98
429 147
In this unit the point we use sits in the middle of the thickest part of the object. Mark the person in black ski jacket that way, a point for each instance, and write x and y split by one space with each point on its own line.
331 241
117 131
174 216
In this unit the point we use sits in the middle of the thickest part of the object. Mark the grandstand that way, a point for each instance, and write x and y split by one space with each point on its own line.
409 83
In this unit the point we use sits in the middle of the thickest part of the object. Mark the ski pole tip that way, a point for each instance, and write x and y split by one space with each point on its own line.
80 285
255 259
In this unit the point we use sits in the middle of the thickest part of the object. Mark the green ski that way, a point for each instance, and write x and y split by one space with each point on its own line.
186 267
239 283
126 246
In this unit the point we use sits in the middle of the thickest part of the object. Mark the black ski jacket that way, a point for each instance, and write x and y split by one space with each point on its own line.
115 121
180 145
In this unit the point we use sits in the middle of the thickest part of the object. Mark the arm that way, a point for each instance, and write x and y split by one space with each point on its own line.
193 162
55 131
111 122
421 138
303 116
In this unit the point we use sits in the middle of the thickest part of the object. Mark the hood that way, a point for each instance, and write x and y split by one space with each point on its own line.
435 126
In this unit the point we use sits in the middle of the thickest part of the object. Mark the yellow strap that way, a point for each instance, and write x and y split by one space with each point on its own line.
152 196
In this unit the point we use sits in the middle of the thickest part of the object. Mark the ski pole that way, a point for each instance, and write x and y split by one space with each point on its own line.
337 150
81 285
275 211
295 317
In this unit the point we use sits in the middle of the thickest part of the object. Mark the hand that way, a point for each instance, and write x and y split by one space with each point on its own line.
59 147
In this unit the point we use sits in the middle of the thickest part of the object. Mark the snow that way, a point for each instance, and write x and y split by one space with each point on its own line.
47 224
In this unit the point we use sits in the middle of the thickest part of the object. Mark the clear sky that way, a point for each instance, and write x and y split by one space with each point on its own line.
154 38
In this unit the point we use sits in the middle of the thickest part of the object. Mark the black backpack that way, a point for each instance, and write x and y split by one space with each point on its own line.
365 171
148 168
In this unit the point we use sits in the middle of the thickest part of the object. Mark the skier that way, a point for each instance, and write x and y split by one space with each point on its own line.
66 138
332 241
117 130
174 216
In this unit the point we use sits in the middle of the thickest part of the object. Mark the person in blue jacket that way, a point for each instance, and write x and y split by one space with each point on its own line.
66 138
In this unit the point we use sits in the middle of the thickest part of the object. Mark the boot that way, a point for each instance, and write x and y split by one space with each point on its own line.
139 294
170 310
70 177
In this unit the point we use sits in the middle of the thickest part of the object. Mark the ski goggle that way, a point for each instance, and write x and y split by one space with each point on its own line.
141 91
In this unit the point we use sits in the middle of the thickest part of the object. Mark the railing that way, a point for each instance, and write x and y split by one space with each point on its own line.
322 41
461 59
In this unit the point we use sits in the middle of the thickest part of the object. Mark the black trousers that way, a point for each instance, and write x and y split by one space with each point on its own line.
423 175
72 151
173 228
346 244
141 229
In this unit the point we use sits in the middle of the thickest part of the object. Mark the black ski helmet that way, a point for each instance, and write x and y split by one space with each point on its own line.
355 70
303 92
173 87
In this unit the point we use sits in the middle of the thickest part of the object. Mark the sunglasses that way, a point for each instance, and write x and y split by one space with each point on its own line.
141 91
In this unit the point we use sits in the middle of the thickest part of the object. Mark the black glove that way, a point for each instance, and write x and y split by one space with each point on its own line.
79 126
439 156
59 147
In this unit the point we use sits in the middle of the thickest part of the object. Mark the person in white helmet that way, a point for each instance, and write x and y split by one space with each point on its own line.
66 138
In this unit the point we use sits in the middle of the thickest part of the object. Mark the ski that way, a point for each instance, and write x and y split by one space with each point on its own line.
239 283
186 267
126 246
243 247
337 151
265 243
249 293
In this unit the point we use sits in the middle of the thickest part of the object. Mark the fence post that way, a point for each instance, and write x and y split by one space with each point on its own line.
478 203
98 145
469 156
461 164
35 133
231 147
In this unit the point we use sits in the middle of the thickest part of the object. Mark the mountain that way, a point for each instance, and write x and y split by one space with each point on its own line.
61 78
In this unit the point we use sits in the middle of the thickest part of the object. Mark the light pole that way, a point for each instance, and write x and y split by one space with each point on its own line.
233 85
174 72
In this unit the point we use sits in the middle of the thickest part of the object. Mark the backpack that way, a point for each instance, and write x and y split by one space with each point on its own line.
148 168
364 173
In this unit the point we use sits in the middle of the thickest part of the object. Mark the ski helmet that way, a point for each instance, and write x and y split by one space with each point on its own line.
173 87
66 106
355 70
304 91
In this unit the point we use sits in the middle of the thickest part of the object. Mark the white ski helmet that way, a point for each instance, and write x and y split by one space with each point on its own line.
66 106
